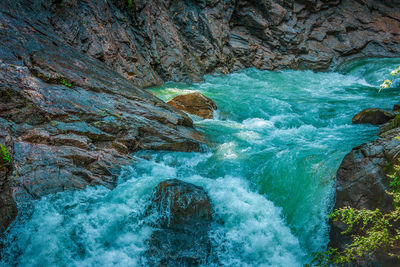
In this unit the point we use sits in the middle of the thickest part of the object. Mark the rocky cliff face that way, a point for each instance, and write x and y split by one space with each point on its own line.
153 41
70 72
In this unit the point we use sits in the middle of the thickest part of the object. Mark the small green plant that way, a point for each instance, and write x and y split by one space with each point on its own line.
395 176
66 83
4 155
130 4
375 230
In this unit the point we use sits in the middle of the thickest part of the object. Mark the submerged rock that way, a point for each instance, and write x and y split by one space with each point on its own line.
374 116
184 215
195 103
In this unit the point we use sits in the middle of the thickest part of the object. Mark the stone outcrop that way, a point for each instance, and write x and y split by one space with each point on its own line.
374 116
67 137
184 214
361 183
195 103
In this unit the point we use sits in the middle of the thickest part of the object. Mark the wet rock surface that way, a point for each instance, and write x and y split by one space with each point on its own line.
184 215
361 183
374 116
67 137
195 103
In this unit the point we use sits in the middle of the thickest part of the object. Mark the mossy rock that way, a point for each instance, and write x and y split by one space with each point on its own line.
394 123
373 116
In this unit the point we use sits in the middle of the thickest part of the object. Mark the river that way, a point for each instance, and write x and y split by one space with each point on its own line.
273 150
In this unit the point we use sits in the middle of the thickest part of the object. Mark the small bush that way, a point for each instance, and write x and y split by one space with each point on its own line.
4 155
66 83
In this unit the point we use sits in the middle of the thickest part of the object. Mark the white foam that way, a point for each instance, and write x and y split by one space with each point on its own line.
257 124
227 151
108 228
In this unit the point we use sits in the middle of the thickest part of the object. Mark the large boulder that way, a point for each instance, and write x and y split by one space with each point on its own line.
184 213
195 103
374 116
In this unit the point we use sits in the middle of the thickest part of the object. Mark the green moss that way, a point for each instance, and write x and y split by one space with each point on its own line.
4 155
395 123
66 83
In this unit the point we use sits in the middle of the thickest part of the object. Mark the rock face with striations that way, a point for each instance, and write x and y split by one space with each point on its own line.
195 103
184 215
153 41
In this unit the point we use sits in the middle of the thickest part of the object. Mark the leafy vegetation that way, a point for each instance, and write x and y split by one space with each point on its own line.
4 155
66 83
394 123
373 230
395 177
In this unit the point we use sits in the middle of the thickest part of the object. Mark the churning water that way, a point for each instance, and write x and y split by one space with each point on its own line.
275 145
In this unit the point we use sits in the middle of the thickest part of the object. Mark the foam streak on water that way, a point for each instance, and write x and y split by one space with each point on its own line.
274 148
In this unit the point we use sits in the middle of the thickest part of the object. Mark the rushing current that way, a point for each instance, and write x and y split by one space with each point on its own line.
274 147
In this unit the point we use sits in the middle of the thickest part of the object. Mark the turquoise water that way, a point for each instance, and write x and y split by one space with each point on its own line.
274 148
